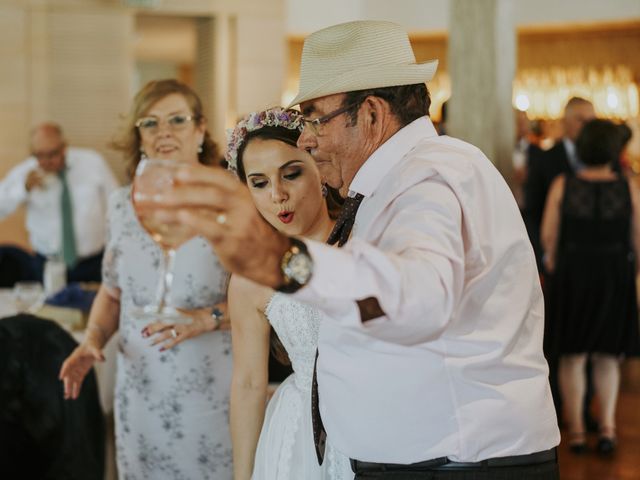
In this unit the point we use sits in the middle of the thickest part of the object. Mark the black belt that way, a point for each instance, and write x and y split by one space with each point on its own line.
443 463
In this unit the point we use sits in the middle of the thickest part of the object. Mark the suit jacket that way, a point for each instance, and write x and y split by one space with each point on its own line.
544 167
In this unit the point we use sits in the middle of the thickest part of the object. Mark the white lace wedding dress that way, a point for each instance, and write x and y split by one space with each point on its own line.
285 449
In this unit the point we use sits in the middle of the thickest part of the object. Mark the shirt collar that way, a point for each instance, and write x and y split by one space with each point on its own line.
390 153
572 155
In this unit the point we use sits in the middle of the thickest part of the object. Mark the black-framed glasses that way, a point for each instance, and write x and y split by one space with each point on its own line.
151 125
316 123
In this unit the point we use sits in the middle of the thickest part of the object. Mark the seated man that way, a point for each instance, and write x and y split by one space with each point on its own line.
65 191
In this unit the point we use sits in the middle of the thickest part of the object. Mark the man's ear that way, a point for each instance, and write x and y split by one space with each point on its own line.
377 109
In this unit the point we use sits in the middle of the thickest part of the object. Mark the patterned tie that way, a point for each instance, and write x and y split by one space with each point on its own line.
69 254
340 233
344 224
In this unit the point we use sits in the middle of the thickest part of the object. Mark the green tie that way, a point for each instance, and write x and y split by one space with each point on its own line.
68 236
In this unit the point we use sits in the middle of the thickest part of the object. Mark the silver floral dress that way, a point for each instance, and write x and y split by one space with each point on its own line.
172 407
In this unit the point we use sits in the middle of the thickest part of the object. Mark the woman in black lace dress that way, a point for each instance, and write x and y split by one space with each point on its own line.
590 230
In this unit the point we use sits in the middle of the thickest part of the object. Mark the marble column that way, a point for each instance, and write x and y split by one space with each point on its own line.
215 73
482 62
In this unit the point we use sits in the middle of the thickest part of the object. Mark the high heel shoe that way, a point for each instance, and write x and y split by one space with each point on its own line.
607 441
578 442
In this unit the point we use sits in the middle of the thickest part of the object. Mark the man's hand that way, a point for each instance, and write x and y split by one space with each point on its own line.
216 205
35 179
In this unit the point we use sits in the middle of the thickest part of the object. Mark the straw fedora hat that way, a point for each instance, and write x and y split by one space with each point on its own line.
358 56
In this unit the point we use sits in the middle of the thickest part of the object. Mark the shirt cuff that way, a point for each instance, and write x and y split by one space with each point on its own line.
324 291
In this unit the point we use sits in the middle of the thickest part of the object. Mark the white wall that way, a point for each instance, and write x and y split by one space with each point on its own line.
305 16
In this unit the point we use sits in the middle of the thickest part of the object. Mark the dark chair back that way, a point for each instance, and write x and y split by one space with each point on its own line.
43 436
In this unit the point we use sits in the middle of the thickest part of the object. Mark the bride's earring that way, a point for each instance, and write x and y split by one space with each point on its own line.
325 190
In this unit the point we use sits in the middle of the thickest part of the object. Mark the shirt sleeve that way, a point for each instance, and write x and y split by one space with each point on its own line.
415 270
12 189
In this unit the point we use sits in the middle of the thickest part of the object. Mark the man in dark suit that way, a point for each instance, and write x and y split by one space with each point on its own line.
545 166
523 151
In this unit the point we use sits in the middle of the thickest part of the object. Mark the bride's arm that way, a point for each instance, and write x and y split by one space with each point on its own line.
250 342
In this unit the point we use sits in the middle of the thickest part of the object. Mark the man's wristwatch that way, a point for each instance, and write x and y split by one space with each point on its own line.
296 267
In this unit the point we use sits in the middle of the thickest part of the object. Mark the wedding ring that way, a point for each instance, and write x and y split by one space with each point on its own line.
174 334
221 219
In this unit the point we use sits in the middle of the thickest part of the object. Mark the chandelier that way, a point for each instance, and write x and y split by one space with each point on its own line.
544 93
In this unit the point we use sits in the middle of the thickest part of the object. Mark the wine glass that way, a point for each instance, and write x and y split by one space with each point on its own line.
28 296
152 178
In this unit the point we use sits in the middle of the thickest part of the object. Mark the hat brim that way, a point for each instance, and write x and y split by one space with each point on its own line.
374 76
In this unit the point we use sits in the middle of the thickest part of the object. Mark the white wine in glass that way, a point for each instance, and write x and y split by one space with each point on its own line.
152 178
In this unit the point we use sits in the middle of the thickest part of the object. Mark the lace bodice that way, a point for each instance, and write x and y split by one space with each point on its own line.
297 326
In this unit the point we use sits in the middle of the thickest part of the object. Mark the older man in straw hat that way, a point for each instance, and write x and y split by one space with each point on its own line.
431 364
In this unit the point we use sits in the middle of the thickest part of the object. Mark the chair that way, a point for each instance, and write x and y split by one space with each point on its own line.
43 436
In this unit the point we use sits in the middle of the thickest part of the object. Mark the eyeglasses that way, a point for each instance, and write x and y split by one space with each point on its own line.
316 124
151 125
49 154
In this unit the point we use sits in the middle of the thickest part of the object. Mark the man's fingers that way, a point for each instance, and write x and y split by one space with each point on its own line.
205 175
203 222
206 196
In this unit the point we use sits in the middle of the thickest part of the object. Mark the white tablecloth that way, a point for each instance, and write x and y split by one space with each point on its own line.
105 371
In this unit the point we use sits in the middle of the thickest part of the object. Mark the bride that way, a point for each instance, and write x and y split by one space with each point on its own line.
276 442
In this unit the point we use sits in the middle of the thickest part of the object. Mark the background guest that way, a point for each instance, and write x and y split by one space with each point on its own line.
590 231
523 151
285 186
65 190
561 158
172 395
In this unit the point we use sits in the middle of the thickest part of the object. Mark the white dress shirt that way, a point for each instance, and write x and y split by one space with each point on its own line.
90 182
572 155
455 368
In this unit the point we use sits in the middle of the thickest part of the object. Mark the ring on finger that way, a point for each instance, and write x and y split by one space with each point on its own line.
174 333
221 218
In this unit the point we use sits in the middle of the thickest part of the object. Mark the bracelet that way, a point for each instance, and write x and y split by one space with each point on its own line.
217 316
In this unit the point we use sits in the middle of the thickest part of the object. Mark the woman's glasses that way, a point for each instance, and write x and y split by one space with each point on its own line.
151 125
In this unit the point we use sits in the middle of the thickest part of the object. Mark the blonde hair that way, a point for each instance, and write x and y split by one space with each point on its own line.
129 140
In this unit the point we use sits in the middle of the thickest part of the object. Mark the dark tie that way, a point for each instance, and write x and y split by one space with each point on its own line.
344 224
68 250
340 234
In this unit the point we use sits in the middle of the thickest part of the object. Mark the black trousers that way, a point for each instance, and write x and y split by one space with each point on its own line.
17 265
542 471
88 269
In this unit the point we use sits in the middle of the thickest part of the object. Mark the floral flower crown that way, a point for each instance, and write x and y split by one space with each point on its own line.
274 117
